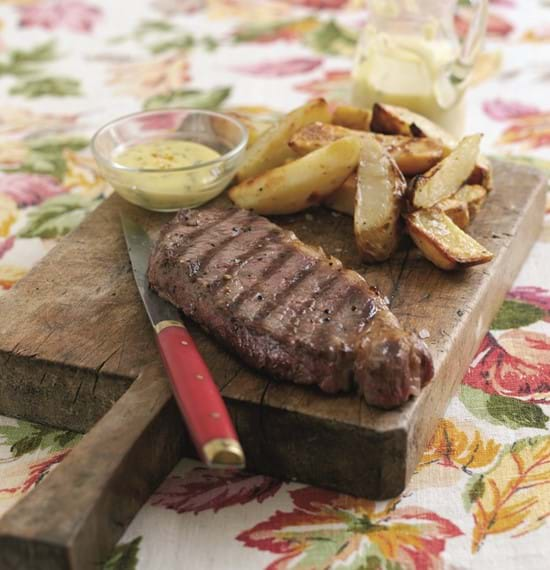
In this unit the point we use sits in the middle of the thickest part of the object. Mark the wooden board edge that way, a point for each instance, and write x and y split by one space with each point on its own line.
23 388
74 518
291 445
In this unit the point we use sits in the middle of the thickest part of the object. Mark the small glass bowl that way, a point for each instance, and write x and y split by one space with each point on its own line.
169 189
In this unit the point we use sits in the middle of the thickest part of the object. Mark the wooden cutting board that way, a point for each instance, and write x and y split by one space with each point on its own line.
74 336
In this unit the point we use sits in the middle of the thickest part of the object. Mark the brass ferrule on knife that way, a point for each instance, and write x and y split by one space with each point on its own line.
160 326
224 453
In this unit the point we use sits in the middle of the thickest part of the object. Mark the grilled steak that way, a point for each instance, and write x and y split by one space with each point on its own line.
285 307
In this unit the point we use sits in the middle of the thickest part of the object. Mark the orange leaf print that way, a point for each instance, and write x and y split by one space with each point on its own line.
8 214
509 498
10 275
452 447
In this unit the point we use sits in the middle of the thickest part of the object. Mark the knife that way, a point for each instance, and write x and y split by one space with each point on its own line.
196 393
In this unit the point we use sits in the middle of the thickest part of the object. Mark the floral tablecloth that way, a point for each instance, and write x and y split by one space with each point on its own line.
481 495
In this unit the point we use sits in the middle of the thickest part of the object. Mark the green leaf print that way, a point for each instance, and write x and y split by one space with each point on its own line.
184 42
21 62
26 437
45 155
57 216
515 314
124 557
254 31
501 410
207 99
47 86
332 38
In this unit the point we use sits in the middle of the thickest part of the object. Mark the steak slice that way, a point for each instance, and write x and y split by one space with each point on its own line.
285 307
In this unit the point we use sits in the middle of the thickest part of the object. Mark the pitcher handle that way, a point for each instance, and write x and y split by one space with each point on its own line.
472 42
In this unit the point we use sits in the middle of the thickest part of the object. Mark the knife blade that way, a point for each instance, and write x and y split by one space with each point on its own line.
195 391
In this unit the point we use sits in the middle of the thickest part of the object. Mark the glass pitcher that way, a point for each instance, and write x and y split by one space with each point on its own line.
409 54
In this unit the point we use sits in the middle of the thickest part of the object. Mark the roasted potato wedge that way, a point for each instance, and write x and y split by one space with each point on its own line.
482 174
343 199
413 156
443 242
456 210
352 117
299 184
474 196
394 120
446 177
271 149
378 200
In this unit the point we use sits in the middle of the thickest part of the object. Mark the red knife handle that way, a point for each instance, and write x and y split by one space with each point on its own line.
198 397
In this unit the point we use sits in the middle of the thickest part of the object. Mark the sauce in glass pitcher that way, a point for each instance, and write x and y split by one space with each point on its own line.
407 56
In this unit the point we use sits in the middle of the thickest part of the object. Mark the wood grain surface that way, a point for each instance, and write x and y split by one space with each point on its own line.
74 336
73 519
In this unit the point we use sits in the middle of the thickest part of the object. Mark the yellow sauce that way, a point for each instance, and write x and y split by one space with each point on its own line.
410 71
164 188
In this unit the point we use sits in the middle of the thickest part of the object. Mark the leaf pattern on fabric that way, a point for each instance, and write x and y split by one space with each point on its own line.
536 296
26 437
74 15
82 175
501 110
332 38
509 498
206 99
513 314
530 130
148 77
48 155
453 447
37 472
29 189
24 122
58 216
8 214
6 245
124 556
516 365
54 86
503 410
10 275
326 529
280 68
333 86
497 26
24 62
204 489
287 30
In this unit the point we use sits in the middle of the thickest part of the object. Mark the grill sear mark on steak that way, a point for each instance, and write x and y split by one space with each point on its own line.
285 307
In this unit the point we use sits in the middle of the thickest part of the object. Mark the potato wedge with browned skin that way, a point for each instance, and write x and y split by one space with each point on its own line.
301 183
443 242
394 120
343 201
474 195
456 210
271 148
413 156
352 117
378 201
446 177
482 174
